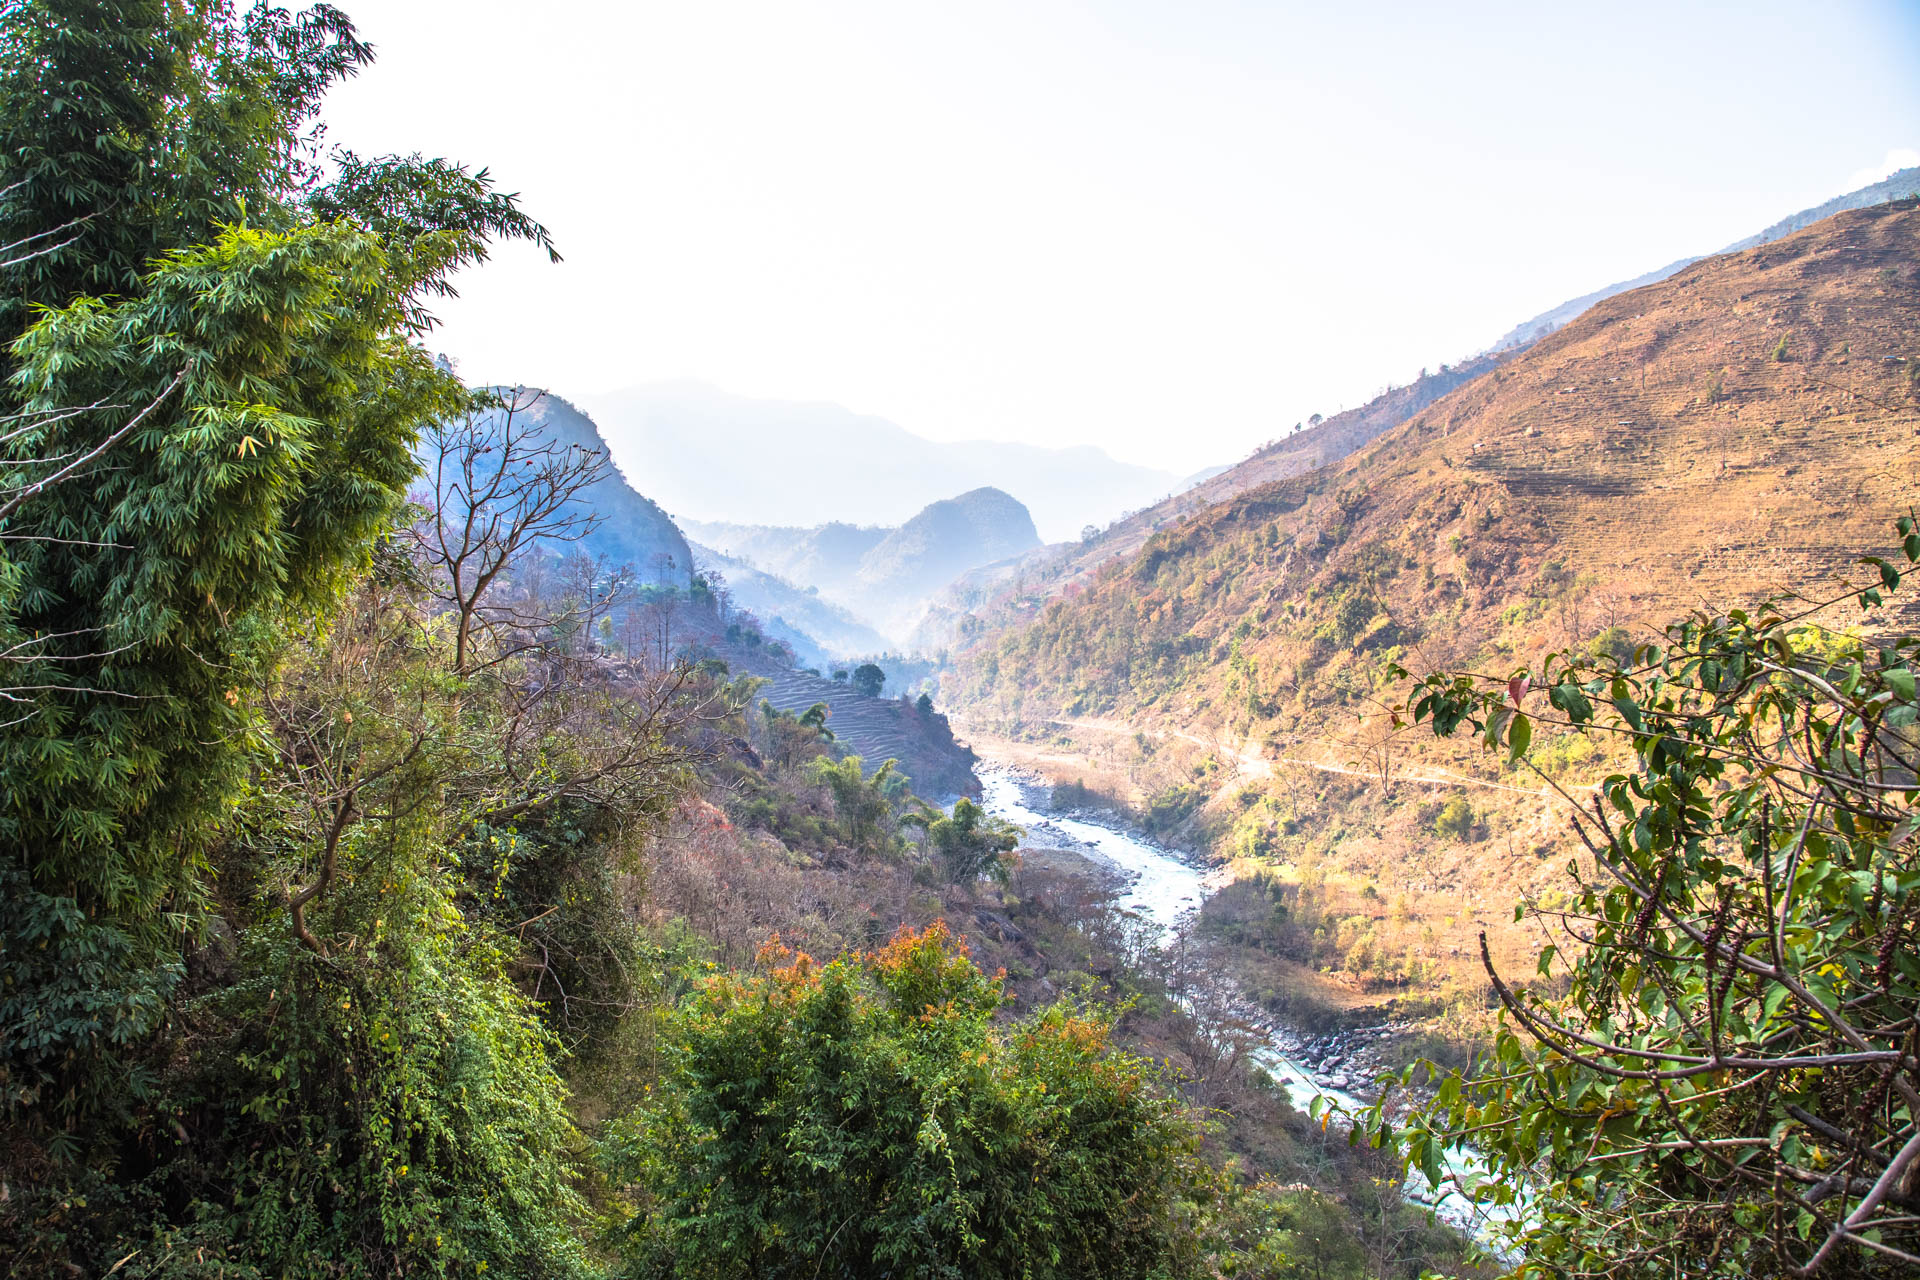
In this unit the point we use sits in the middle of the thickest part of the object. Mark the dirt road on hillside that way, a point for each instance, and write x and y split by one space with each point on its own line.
1250 763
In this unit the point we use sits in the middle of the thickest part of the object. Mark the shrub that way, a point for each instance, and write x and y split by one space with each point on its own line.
1168 808
866 808
1614 644
971 843
870 1117
1719 1079
1455 819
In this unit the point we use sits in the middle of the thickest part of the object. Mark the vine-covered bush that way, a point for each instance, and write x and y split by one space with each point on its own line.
1730 1084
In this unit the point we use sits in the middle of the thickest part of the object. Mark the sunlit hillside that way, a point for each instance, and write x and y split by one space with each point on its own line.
1744 428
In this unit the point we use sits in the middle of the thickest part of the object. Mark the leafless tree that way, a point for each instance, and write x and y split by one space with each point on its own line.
540 719
498 485
660 609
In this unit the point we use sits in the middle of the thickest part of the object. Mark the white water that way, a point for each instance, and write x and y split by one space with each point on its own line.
1160 887
1168 891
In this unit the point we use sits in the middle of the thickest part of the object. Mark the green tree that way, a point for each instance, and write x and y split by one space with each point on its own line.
873 1118
1715 1074
1614 643
791 740
865 807
214 389
370 1090
203 450
970 843
815 718
1351 616
1455 819
869 679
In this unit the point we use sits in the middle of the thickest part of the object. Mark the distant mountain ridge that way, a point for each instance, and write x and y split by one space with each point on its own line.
1334 438
825 557
1748 425
885 575
817 629
946 539
635 532
716 458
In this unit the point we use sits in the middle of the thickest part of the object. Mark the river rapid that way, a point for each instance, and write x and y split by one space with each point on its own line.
1166 887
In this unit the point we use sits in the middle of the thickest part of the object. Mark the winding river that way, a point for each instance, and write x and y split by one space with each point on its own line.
1165 889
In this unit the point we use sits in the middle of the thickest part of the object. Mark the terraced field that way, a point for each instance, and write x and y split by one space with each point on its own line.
878 730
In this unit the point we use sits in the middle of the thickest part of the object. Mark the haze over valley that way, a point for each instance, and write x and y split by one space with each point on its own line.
717 457
833 563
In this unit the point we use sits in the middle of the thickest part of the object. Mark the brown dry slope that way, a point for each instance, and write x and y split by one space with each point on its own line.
1751 424
1752 419
1745 426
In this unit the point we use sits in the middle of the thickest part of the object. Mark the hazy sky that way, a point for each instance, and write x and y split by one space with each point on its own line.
1169 229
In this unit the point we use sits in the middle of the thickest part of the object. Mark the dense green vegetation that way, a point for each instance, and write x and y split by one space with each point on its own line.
870 1114
1714 1073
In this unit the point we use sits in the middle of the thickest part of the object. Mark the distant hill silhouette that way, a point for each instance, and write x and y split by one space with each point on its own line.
825 557
944 541
885 576
636 532
819 630
714 457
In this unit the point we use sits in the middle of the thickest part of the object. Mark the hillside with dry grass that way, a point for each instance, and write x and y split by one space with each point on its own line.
1749 426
